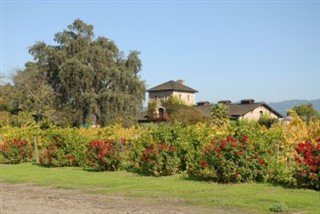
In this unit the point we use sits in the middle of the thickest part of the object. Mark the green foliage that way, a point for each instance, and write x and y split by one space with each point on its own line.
36 95
267 121
108 155
91 80
219 115
173 104
63 149
306 112
236 161
159 160
152 106
15 151
279 207
187 115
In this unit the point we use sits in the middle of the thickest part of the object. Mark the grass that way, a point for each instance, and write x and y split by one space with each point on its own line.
252 198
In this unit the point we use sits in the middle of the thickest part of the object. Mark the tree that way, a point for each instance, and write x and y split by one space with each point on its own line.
173 104
187 115
36 95
90 77
219 115
306 112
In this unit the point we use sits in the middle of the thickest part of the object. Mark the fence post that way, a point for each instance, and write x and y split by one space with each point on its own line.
36 151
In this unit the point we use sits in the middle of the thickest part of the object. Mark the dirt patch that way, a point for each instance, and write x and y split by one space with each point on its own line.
33 199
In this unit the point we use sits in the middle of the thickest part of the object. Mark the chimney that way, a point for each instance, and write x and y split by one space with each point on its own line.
225 102
247 101
182 82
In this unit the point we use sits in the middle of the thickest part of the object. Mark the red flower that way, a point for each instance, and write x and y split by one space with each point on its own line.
313 176
313 168
204 164
261 161
245 139
298 159
219 155
217 149
240 152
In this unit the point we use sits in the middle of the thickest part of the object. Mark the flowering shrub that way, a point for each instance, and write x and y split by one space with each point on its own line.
234 160
59 153
107 155
16 151
308 161
159 159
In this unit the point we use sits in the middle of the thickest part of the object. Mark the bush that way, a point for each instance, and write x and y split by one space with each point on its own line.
61 151
279 207
235 161
107 155
16 151
159 160
308 169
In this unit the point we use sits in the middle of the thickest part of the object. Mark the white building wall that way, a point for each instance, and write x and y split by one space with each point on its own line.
187 98
256 113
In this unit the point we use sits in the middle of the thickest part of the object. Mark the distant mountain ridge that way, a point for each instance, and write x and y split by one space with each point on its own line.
283 106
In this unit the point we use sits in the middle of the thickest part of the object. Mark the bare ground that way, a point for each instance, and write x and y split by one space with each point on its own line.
33 199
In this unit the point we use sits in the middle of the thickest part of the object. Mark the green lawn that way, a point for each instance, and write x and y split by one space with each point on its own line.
253 198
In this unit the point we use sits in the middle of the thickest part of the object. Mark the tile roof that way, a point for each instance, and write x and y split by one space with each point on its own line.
172 86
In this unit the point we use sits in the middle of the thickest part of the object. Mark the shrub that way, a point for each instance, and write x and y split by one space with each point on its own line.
62 152
159 160
235 161
279 207
308 169
16 151
107 155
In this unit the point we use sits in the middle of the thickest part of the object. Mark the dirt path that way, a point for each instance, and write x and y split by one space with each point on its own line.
32 199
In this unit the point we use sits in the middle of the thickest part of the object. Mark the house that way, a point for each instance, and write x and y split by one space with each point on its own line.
164 91
173 88
246 109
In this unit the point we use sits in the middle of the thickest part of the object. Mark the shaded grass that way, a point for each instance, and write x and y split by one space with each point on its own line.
252 198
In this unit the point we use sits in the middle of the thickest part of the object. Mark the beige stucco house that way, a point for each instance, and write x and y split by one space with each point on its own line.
163 91
245 109
173 88
251 110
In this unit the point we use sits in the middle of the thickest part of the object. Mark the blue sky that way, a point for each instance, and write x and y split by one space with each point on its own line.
265 50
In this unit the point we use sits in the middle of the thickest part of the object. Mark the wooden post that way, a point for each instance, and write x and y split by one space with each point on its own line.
36 151
278 148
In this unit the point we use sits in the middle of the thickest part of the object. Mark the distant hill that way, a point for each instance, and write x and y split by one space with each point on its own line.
283 106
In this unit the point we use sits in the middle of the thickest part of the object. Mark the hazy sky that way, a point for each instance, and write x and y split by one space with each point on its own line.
265 50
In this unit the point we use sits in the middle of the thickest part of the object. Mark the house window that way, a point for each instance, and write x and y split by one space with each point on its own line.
156 97
261 113
180 96
188 97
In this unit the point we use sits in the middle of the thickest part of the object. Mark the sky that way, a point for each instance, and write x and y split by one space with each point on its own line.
267 50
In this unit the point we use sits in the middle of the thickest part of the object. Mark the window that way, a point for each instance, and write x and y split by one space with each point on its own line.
261 113
180 96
